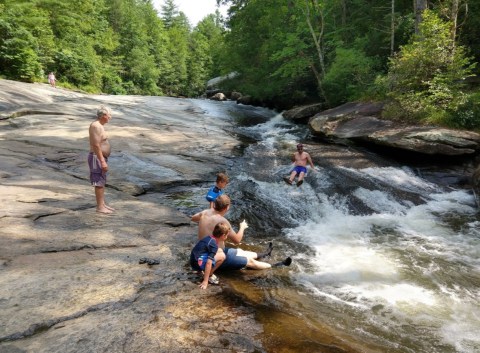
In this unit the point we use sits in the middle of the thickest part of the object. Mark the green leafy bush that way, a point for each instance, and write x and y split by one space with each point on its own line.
467 116
426 77
348 77
17 58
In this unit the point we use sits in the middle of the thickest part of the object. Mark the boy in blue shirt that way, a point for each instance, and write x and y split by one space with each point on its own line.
217 190
204 255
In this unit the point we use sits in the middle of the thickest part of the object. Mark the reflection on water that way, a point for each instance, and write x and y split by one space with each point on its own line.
393 260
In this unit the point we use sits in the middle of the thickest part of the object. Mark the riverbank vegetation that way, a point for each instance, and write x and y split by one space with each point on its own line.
420 57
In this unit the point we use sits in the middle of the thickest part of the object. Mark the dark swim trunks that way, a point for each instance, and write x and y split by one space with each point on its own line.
299 169
201 262
97 176
233 261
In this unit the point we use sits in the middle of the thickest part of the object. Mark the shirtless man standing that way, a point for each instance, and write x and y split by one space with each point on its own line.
235 259
300 158
98 156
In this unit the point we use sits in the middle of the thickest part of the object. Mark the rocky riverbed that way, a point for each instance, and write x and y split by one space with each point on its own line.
70 277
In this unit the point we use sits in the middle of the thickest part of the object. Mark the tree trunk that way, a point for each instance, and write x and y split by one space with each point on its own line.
392 35
317 39
420 6
454 17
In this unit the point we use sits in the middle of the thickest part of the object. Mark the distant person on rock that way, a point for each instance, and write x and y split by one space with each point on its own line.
235 259
98 157
51 79
300 159
217 190
205 256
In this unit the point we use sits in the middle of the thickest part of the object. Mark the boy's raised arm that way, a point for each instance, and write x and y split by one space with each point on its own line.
237 237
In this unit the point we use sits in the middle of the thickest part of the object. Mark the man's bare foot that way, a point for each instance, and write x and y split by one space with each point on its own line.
104 210
109 207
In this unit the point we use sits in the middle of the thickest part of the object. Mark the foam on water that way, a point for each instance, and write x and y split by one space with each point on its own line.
395 258
401 178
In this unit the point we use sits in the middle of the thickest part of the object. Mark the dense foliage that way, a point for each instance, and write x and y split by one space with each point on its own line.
340 50
417 55
113 46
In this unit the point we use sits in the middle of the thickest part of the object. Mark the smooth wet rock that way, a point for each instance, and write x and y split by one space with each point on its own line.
70 280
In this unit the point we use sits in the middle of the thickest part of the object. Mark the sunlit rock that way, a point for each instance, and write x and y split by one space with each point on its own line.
360 122
303 112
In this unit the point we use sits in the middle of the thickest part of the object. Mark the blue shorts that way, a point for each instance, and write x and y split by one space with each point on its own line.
200 264
299 169
233 261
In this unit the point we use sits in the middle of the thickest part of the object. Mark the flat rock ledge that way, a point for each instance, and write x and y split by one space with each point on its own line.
361 122
70 278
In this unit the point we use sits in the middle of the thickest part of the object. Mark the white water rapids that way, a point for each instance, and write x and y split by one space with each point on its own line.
406 276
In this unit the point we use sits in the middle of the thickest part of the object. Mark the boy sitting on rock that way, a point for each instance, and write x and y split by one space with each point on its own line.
204 255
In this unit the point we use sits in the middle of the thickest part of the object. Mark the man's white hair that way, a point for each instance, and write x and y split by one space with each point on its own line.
103 110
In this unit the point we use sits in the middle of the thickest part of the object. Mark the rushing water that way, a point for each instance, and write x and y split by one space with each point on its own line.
398 267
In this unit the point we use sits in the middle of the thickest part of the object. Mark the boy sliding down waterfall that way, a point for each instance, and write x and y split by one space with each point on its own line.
300 158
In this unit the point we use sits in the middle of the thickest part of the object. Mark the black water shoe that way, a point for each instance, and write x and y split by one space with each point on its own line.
266 253
285 262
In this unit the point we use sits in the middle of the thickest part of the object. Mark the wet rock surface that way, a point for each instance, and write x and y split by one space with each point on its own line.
70 279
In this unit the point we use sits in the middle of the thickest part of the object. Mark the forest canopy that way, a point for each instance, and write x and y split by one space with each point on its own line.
111 46
418 56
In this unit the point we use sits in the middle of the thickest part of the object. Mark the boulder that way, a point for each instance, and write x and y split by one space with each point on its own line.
235 96
247 100
215 82
218 97
353 121
347 127
209 93
303 112
355 108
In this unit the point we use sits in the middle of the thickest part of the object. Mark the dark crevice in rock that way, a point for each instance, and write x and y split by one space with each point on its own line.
37 217
20 113
176 224
89 246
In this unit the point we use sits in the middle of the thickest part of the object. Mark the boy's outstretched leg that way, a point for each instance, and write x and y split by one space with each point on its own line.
300 178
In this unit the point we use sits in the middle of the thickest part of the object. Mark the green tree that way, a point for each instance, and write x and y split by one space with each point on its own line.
169 12
26 41
426 78
140 72
178 48
349 76
204 60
